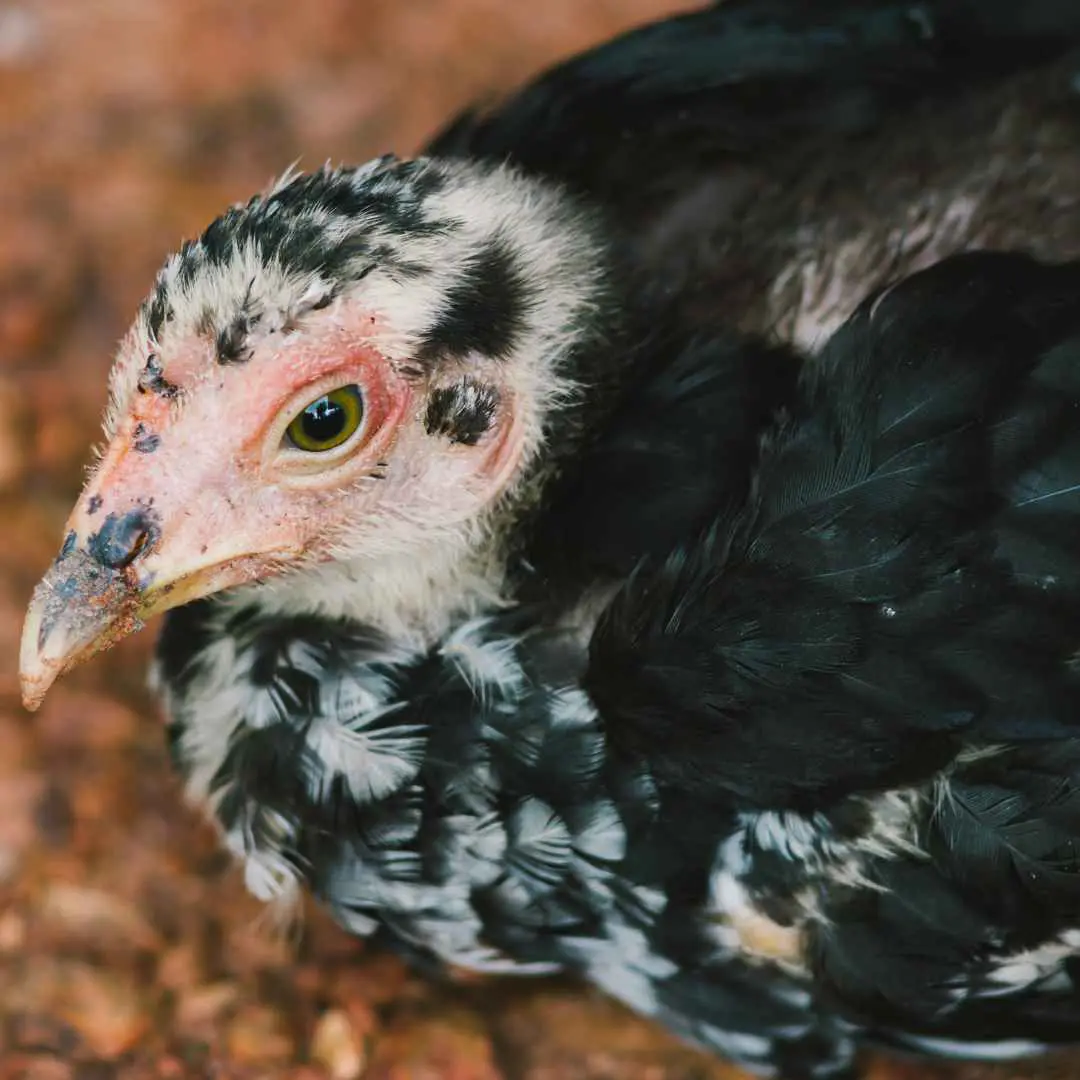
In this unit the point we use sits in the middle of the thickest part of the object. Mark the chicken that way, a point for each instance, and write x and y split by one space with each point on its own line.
427 651
815 782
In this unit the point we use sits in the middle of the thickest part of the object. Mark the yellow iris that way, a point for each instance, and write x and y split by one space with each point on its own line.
327 421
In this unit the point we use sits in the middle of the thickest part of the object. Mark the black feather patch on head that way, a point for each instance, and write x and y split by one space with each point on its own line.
159 311
484 311
231 344
462 412
299 227
232 341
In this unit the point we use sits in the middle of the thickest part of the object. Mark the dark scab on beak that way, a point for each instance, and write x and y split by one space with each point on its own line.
69 546
71 614
123 537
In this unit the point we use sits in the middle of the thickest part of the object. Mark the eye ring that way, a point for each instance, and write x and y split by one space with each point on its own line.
327 422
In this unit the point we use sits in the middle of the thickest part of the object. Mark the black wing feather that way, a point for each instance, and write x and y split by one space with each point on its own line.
939 944
681 443
888 594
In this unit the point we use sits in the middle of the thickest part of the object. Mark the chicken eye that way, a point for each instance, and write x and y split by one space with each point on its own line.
327 421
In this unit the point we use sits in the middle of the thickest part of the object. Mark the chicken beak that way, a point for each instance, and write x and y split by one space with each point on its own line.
129 556
79 608
106 582
94 594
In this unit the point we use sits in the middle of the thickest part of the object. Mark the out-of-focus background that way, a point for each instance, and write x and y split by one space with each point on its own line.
127 945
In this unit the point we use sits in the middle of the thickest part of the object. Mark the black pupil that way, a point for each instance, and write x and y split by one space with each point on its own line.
323 420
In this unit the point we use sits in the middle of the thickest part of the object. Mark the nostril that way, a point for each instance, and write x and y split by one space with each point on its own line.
121 539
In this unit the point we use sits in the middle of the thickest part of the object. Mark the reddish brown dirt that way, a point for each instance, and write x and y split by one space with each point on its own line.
127 945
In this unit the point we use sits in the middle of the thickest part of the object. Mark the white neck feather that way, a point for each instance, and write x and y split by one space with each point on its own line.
414 598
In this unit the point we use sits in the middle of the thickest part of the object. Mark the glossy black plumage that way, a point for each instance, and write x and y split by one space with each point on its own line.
687 432
903 565
756 157
897 605
714 142
742 80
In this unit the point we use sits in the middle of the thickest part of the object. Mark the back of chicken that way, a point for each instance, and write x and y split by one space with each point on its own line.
873 664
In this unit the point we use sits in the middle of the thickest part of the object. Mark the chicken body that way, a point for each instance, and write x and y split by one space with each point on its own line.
816 780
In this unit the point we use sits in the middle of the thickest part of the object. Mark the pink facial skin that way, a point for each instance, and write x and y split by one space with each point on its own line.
229 501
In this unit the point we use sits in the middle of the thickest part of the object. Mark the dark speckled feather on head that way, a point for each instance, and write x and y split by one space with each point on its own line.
593 631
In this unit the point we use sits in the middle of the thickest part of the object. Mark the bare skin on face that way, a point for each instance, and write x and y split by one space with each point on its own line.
200 489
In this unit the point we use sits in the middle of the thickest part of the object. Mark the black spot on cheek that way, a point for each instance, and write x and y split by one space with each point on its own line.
484 312
146 442
94 505
123 537
462 412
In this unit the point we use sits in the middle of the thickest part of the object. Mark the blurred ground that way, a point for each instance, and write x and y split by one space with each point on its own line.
127 946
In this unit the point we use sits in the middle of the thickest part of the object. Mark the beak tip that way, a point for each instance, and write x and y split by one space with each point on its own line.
36 672
33 694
